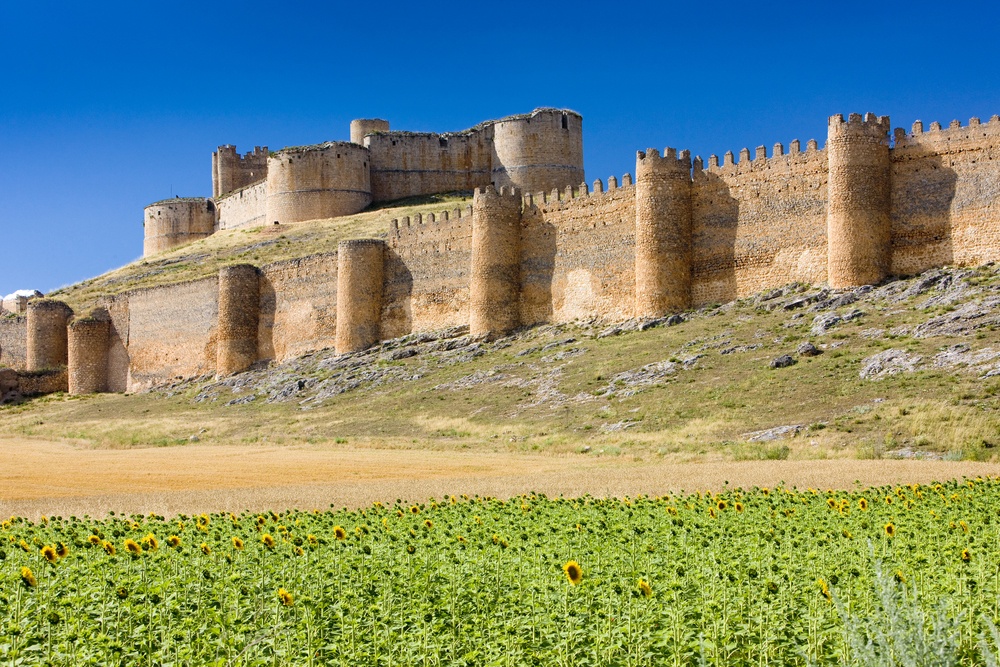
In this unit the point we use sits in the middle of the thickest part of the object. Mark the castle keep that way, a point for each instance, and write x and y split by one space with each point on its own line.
538 244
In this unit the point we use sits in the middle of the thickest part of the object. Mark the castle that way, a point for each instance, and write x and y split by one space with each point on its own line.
538 244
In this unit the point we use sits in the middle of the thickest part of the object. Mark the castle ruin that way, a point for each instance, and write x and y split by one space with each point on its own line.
537 245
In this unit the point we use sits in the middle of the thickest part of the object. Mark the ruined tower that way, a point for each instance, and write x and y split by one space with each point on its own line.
47 344
495 275
231 171
314 182
88 340
239 315
359 293
859 247
662 232
538 152
364 126
174 222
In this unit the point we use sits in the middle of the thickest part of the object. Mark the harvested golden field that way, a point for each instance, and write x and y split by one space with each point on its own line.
42 477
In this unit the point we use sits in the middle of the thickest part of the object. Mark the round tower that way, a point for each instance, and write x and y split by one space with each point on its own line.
359 293
495 275
859 249
662 232
315 182
88 341
239 314
538 152
173 222
47 336
364 126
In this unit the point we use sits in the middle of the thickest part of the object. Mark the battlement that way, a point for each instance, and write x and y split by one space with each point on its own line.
759 160
919 136
506 194
574 194
671 159
869 125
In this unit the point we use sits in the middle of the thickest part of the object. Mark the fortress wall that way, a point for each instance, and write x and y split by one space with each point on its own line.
88 353
172 332
298 307
578 254
245 207
32 383
758 223
945 196
14 342
427 272
118 352
408 164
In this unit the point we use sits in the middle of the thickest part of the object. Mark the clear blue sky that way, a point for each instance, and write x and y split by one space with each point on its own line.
106 107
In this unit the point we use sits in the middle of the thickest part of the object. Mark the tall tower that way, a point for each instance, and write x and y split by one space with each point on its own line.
239 315
88 340
360 265
662 232
47 334
364 126
495 275
858 230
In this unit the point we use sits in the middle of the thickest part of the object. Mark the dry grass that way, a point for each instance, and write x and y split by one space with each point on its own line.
44 477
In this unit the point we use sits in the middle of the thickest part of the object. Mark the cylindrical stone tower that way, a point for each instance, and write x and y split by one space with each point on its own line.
359 293
174 222
88 353
495 275
858 230
239 314
662 232
47 335
363 126
315 182
538 152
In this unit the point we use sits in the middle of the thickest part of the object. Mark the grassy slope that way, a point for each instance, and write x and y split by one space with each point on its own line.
551 405
259 246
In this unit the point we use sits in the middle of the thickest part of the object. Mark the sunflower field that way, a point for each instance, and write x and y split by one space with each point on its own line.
744 577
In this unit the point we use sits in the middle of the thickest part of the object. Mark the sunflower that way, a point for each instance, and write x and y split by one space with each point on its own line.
832 503
109 548
94 540
285 597
824 590
415 510
573 572
205 549
739 507
722 505
965 526
62 550
27 578
428 524
899 576
645 588
268 541
863 503
237 543
149 543
132 547
173 541
298 551
49 554
966 556
312 539
890 530
339 533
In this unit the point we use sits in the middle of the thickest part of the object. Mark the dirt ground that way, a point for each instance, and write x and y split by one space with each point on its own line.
44 477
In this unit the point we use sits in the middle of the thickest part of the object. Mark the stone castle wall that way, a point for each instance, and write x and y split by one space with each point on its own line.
945 195
314 182
232 171
245 207
577 253
758 222
427 272
172 332
298 307
14 342
174 222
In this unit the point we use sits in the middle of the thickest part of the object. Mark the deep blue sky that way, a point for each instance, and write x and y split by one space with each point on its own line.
106 107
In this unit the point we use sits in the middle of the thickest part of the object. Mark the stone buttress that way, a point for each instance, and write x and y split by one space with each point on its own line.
495 274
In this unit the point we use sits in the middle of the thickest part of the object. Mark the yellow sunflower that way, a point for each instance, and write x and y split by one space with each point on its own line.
237 543
133 547
574 573
49 554
28 578
285 597
890 530
268 541
645 588
339 533
205 549
109 548
173 541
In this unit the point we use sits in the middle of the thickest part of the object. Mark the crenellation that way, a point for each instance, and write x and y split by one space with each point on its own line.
794 148
612 182
778 150
744 156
